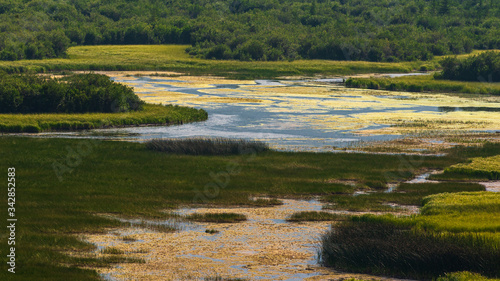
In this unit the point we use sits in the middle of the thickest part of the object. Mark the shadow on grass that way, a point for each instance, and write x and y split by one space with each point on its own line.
373 245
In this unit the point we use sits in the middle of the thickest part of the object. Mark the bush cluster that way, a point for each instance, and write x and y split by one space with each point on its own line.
484 67
77 93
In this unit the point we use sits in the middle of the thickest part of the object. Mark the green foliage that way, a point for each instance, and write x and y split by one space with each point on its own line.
484 67
387 30
78 93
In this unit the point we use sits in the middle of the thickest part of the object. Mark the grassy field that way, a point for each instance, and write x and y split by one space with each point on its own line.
480 167
62 184
425 83
462 212
151 114
174 58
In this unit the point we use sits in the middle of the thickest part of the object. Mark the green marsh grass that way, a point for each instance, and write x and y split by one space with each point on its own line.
207 146
480 167
151 114
454 232
129 180
465 211
395 249
480 163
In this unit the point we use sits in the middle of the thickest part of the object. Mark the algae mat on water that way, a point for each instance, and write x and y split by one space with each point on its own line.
263 247
324 107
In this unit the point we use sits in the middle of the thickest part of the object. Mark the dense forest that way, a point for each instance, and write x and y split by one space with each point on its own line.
484 67
384 30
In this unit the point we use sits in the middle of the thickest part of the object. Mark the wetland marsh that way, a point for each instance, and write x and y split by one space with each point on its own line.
305 114
250 140
126 233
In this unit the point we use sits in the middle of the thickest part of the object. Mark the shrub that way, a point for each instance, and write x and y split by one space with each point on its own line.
484 67
73 94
